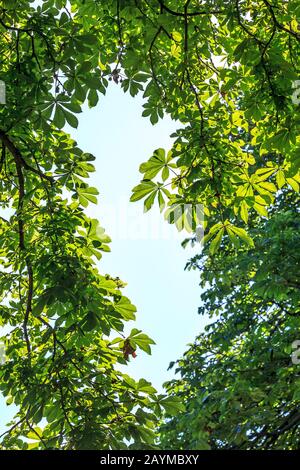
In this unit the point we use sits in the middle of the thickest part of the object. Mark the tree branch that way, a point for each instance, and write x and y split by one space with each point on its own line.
18 157
19 162
279 25
194 13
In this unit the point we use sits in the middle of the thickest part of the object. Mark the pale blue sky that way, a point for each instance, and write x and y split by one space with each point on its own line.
145 251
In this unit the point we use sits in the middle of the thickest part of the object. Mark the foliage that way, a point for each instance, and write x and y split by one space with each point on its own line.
225 70
239 384
63 319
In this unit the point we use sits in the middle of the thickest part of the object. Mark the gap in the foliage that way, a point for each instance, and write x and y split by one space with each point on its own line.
146 250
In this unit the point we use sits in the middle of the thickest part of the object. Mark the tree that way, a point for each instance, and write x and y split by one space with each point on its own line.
238 380
61 315
226 72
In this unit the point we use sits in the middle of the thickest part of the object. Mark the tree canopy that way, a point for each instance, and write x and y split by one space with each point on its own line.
238 381
226 71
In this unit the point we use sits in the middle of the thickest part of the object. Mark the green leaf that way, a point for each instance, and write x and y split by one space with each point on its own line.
141 340
172 405
215 243
241 233
59 117
280 179
148 203
35 434
87 195
293 183
159 161
125 308
264 187
71 119
142 190
264 173
261 210
93 98
90 321
244 212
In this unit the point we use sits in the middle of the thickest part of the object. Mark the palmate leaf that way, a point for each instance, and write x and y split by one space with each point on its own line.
172 405
160 161
142 190
137 338
125 308
63 115
236 235
87 195
241 233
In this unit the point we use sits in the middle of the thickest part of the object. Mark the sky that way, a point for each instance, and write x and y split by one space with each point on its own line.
146 251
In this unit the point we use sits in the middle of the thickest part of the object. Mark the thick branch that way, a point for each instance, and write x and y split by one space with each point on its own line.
279 25
18 157
19 162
